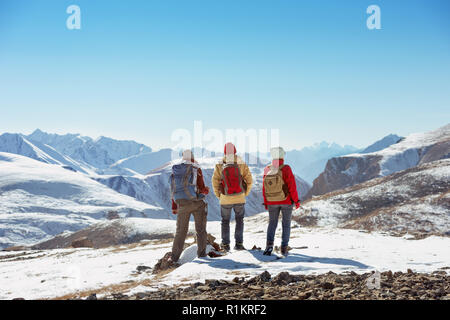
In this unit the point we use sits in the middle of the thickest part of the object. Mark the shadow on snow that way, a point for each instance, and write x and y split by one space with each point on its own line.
302 258
227 263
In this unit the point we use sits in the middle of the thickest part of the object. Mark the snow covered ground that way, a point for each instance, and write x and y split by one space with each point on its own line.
55 273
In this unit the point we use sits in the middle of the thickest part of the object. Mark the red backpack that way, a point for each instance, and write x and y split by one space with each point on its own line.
232 182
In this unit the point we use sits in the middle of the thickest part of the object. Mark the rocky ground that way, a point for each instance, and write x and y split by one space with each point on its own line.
348 286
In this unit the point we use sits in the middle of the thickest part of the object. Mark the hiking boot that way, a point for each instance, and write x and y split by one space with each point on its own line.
239 246
285 250
225 247
169 262
268 251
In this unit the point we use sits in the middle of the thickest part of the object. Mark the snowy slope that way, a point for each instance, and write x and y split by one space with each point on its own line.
55 273
348 170
416 200
383 143
39 200
154 188
141 163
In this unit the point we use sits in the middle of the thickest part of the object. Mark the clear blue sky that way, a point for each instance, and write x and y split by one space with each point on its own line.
141 69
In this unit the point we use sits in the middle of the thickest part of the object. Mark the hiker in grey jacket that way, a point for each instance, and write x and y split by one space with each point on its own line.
188 192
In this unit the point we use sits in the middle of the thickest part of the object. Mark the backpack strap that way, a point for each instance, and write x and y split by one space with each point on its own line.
272 168
186 181
225 186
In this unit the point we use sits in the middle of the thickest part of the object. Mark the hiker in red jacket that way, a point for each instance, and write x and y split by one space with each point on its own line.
280 194
188 192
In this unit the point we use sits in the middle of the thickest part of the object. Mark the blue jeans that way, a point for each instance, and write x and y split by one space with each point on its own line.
239 211
274 213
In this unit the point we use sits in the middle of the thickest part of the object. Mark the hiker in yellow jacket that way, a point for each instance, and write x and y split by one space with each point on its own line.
232 182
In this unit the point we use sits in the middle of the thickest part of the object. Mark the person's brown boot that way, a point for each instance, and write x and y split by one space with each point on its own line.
285 250
225 247
239 246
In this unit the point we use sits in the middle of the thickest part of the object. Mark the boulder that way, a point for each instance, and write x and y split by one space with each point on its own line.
82 243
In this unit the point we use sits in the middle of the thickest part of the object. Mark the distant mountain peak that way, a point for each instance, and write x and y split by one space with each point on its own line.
38 131
383 143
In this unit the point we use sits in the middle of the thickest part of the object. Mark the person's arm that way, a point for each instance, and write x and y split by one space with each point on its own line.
216 180
247 176
201 183
289 179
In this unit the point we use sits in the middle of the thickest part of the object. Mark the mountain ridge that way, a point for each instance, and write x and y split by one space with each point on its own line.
351 169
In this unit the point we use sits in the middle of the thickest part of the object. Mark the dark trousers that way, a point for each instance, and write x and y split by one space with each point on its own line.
274 214
239 212
185 208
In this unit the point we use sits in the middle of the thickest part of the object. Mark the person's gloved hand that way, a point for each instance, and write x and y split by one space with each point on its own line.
205 191
174 207
297 205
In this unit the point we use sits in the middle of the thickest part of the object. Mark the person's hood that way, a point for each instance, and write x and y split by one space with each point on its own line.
235 159
194 164
277 162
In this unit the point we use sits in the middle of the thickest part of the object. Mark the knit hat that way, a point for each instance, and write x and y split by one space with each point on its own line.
277 153
229 149
188 155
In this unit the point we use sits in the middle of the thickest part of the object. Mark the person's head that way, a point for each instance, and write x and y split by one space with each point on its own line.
229 149
277 153
188 155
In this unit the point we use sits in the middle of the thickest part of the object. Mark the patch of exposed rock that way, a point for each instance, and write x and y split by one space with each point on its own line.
329 286
104 234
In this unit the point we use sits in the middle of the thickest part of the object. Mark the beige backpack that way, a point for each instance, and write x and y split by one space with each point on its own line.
274 186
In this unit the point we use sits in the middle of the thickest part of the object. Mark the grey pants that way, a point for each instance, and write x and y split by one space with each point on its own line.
274 213
185 208
239 212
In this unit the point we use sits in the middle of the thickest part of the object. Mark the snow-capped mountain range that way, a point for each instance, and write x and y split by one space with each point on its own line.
309 162
416 149
100 153
53 183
